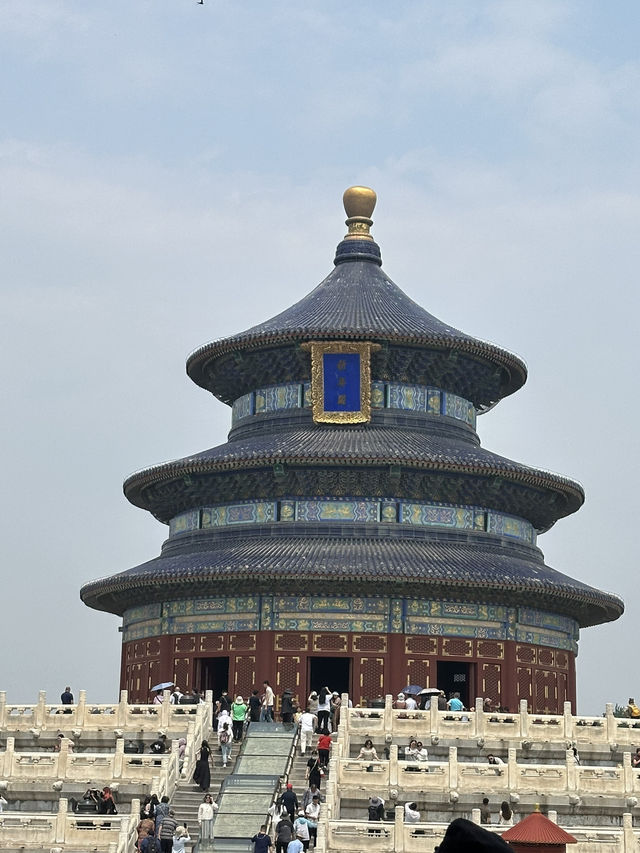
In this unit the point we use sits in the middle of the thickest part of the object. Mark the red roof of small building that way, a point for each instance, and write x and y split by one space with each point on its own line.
538 829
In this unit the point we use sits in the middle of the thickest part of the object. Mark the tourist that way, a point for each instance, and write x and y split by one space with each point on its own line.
225 741
180 838
485 811
324 709
487 705
463 835
295 846
159 746
455 703
506 815
312 702
411 704
315 771
411 813
182 748
324 745
261 841
375 809
287 707
176 696
400 702
202 772
146 826
162 810
254 707
238 714
266 714
289 800
336 705
632 708
308 723
157 699
495 759
411 751
312 791
147 810
206 814
368 752
421 753
67 699
224 717
301 829
442 701
166 831
312 813
635 758
150 843
284 834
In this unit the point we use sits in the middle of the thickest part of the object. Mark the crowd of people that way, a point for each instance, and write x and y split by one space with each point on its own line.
158 829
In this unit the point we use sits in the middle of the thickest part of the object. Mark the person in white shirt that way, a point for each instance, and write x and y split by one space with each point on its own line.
421 753
308 723
411 703
206 813
411 813
266 714
176 696
180 838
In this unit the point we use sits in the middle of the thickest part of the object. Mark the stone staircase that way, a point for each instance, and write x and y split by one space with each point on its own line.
188 796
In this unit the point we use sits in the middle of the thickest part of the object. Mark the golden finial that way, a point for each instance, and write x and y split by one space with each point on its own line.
359 203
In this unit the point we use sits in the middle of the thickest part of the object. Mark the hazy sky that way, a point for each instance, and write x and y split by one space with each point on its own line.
172 173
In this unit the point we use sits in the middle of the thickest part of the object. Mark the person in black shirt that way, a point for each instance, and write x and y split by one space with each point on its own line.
255 704
261 841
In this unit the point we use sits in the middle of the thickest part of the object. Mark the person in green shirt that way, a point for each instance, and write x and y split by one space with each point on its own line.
238 714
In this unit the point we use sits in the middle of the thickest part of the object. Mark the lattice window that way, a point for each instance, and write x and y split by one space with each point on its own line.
330 642
182 673
491 682
371 677
417 672
129 652
525 654
490 649
369 643
211 642
244 641
292 642
562 660
545 657
525 678
287 672
153 647
139 651
184 643
420 645
563 688
154 675
546 692
244 677
457 648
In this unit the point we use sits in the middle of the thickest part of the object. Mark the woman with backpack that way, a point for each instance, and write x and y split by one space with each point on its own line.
238 714
224 739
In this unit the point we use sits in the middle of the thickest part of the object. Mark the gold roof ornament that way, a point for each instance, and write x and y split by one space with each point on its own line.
359 203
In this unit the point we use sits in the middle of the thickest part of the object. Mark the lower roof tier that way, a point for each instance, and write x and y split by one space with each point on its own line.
166 490
268 559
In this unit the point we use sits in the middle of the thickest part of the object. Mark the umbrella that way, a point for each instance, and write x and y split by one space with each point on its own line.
164 685
429 691
412 690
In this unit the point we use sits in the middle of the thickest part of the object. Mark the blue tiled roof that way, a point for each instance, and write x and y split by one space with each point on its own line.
428 569
358 301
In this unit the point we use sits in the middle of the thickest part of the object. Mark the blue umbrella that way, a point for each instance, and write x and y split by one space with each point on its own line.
164 685
412 690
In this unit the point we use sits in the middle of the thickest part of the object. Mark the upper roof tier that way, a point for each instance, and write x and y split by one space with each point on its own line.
358 301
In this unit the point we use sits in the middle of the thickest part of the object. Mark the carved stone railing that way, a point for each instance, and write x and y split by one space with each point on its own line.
427 725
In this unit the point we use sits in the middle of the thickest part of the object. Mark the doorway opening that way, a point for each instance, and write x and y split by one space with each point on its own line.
455 677
334 673
212 674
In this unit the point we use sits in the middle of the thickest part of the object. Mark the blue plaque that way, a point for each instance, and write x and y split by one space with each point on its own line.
341 374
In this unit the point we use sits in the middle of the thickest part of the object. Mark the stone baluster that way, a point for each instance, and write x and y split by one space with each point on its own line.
81 709
165 710
568 721
388 713
63 757
572 771
611 723
553 815
475 816
393 765
512 770
434 717
453 768
41 709
123 709
398 829
8 757
480 717
629 844
61 820
3 709
118 759
346 716
524 718
208 698
627 774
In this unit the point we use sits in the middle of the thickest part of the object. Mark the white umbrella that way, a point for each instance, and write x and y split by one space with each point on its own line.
164 685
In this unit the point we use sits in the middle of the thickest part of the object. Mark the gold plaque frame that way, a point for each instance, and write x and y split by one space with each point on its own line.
318 350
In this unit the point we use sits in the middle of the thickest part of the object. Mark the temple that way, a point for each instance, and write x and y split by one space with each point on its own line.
352 532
